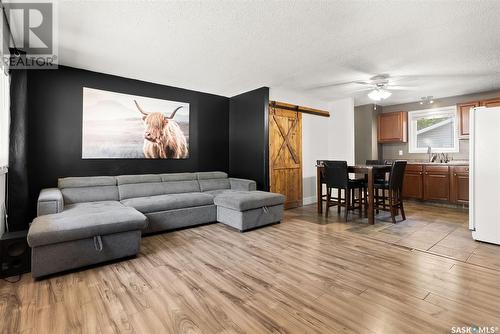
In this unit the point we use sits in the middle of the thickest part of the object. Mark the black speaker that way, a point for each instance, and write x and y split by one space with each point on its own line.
15 254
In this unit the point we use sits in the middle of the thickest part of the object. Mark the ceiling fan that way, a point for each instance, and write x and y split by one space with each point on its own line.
380 86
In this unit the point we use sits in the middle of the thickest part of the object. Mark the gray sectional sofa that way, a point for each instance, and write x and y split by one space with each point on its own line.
88 220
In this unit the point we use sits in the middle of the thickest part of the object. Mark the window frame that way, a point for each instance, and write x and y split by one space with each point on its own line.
413 116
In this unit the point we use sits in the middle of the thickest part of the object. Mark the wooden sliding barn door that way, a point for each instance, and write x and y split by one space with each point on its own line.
285 154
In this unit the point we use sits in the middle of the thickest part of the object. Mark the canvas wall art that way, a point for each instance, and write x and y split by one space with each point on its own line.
123 126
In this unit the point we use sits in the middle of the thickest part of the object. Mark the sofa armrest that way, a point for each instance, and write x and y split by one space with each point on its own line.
242 184
50 201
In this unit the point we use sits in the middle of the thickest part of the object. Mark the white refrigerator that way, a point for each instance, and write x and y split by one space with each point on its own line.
484 174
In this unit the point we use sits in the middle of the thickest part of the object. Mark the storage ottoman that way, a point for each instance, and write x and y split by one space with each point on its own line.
245 210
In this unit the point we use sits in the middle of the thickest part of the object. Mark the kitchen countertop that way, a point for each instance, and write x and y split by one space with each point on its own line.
451 163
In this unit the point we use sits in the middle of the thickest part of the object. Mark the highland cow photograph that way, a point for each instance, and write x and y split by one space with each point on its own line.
123 126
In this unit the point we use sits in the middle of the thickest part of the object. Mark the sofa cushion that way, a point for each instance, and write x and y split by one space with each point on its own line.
88 189
141 178
178 177
178 187
89 194
168 202
86 181
157 188
247 200
214 184
211 175
84 220
141 190
218 192
213 181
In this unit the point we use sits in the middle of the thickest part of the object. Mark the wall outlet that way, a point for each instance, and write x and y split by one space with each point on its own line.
400 152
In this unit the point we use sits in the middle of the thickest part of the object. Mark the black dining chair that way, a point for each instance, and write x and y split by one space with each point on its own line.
379 178
336 176
318 163
393 202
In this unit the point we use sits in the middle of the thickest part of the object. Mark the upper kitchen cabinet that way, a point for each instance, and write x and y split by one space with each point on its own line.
463 118
392 127
491 103
464 111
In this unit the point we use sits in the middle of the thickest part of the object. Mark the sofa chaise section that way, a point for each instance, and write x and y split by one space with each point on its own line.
84 232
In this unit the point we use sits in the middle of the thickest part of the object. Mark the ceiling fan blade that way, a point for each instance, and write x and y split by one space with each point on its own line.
398 87
364 83
329 85
339 84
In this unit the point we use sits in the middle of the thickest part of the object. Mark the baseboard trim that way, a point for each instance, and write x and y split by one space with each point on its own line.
309 200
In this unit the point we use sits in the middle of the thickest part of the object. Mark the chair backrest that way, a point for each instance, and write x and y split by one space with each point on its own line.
374 162
336 174
397 175
322 162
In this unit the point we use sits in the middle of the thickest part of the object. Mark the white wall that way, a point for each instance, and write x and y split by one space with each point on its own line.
322 138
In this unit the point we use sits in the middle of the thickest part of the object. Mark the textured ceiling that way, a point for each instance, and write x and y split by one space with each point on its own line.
228 47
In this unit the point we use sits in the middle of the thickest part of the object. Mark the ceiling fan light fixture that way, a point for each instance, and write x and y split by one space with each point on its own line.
379 94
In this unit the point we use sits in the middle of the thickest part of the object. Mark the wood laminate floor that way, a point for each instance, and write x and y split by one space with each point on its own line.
306 275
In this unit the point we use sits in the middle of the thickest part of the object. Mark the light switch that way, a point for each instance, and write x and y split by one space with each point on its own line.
400 152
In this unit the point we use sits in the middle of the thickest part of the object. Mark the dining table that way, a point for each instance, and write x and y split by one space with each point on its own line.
369 170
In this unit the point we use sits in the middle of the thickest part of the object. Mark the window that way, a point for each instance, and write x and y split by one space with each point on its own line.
4 120
435 128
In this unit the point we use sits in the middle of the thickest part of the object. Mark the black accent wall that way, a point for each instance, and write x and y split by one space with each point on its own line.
17 177
54 135
249 137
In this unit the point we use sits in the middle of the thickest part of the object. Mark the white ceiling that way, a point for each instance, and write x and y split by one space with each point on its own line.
228 47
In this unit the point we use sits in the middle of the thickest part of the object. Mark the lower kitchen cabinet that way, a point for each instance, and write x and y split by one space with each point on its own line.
459 176
437 183
413 186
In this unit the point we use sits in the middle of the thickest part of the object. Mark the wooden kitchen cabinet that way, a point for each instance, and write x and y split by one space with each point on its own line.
491 103
463 110
436 183
413 182
463 118
459 187
392 127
